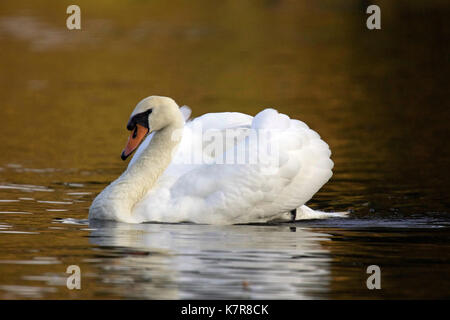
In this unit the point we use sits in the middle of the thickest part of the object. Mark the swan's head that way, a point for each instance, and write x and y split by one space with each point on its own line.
151 114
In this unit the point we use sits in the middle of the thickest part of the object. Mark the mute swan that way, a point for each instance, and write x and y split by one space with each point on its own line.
168 180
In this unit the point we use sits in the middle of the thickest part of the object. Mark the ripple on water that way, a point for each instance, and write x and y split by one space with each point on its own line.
14 291
18 232
51 279
72 221
78 193
14 212
34 261
26 187
55 202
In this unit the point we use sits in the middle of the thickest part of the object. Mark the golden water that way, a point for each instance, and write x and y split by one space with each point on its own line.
377 97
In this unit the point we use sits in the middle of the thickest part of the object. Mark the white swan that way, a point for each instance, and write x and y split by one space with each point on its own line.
168 180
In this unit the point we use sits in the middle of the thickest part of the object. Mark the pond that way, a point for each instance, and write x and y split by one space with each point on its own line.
376 97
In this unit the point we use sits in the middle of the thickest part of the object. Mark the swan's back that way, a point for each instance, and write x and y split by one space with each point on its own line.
240 193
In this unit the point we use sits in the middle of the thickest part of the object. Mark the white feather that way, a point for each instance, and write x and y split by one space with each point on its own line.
232 193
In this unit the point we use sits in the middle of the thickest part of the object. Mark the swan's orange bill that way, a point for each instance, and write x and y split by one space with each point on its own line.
137 135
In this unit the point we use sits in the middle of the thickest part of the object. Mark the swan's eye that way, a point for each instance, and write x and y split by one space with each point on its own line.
140 118
135 133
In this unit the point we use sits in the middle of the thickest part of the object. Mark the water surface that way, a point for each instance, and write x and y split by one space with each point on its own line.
378 99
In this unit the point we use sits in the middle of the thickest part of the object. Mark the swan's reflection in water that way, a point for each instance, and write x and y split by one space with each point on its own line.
185 261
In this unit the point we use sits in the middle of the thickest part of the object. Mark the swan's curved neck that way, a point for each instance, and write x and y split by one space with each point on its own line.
143 174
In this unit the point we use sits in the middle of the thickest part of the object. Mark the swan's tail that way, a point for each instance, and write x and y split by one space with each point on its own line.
305 213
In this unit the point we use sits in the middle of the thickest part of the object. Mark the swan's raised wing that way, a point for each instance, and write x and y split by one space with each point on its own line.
248 192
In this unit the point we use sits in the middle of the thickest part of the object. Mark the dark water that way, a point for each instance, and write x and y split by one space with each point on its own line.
379 98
